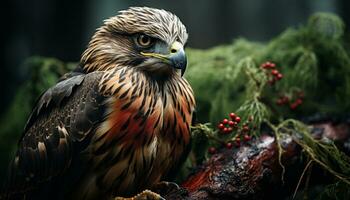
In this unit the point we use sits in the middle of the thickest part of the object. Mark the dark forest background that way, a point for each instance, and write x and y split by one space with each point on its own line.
62 28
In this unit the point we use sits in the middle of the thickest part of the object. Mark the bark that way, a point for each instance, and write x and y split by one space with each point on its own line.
253 170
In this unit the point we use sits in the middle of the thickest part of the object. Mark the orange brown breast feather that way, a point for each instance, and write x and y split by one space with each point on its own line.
150 119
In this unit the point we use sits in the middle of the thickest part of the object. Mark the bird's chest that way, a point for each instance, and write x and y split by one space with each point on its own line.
144 136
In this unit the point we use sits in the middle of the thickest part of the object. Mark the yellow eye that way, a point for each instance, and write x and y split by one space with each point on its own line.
144 41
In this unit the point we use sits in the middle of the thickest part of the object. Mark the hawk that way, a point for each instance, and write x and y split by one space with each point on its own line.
117 124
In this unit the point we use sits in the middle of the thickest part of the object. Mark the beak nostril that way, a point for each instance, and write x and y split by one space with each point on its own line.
173 51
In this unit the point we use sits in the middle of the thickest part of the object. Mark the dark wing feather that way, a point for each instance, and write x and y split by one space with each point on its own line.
57 129
53 97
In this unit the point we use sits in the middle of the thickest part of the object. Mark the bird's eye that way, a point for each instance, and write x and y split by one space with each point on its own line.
144 40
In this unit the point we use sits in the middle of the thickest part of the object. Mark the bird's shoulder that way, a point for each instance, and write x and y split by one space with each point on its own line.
57 129
76 90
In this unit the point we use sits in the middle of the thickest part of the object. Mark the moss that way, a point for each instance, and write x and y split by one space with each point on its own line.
313 58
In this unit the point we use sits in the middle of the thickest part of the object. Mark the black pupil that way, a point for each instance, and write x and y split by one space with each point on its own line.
144 39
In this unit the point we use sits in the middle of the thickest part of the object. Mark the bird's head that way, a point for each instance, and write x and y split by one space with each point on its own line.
149 39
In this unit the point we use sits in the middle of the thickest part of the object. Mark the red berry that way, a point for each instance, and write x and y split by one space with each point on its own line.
224 121
299 101
237 119
232 116
293 106
247 137
268 65
245 128
274 72
264 66
238 143
285 99
229 145
227 130
279 76
212 150
221 126
231 123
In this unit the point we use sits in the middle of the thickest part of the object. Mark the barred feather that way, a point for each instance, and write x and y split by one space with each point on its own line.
149 118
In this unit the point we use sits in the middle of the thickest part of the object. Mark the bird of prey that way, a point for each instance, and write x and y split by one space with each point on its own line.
116 125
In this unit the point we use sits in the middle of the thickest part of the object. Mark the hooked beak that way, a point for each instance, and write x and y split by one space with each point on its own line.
176 57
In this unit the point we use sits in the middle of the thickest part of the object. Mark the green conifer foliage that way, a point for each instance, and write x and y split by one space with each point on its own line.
313 58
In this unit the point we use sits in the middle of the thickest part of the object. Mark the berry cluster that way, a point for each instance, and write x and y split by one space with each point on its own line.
293 102
227 126
233 126
271 71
